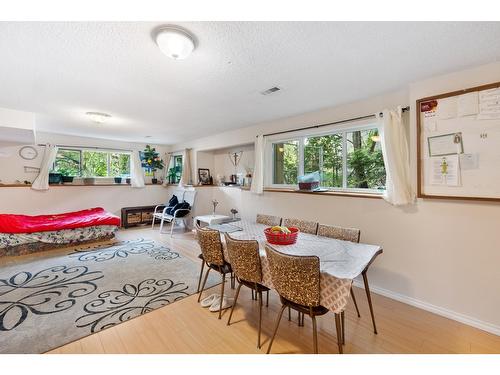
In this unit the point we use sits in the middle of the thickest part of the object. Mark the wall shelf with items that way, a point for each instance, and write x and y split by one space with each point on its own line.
221 164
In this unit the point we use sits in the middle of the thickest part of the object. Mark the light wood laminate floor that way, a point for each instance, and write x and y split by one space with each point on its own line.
185 327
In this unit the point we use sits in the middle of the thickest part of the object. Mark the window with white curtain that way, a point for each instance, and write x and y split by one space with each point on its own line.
81 162
347 159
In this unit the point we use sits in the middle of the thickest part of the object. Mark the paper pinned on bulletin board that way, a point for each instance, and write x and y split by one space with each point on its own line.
489 104
445 144
468 104
469 161
445 170
447 108
429 110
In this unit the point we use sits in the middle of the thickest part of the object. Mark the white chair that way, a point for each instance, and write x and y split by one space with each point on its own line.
182 196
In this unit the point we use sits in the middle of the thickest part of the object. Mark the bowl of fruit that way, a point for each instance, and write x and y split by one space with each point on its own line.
281 235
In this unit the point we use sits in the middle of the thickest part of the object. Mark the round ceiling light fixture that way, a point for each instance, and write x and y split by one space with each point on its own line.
98 117
175 42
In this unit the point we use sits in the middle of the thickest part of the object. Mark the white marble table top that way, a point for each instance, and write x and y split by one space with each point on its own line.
342 259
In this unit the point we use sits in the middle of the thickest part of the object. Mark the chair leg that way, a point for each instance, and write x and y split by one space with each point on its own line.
161 225
289 314
267 298
300 319
368 296
201 275
338 326
172 228
342 318
234 304
233 278
315 335
222 294
355 303
153 223
276 328
203 285
260 319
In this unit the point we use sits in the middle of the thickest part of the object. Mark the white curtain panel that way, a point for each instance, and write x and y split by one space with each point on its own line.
168 156
136 171
186 169
396 157
258 170
49 157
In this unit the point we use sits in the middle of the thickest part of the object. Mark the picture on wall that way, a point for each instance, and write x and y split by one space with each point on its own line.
204 176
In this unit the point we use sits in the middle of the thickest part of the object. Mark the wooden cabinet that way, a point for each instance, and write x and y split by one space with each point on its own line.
132 216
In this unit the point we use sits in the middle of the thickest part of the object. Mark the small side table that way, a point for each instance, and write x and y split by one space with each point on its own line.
212 219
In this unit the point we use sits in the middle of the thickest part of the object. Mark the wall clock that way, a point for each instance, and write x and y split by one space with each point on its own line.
28 153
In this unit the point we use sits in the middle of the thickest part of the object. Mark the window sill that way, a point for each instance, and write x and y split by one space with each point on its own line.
331 193
73 185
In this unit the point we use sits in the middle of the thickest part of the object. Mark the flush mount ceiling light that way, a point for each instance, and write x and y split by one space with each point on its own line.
175 42
98 117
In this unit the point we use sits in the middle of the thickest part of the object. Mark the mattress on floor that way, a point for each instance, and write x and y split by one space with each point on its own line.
63 236
14 223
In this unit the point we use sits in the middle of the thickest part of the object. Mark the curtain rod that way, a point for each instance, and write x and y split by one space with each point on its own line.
330 123
88 147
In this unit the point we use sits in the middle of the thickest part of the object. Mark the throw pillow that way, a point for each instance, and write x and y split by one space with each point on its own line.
183 205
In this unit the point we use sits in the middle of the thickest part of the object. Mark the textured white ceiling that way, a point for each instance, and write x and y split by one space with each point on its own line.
62 70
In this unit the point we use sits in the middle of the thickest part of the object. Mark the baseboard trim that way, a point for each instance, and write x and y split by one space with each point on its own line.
465 319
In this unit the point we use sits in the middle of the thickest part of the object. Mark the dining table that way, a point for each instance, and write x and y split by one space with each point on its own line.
340 261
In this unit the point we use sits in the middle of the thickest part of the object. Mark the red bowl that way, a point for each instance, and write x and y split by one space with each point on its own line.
282 238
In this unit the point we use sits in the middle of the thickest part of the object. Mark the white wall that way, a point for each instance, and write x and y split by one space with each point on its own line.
12 165
440 255
16 127
24 200
223 165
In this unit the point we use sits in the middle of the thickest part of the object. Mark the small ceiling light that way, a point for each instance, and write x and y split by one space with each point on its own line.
175 42
98 117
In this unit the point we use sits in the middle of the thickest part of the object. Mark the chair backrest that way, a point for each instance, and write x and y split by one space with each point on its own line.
295 278
189 197
211 245
268 220
244 258
339 233
303 225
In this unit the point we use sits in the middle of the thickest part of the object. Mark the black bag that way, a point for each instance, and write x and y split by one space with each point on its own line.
173 201
183 205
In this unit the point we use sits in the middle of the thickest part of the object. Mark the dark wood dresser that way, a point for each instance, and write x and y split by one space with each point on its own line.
132 216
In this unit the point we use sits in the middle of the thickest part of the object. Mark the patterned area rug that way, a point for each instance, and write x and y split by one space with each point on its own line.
50 301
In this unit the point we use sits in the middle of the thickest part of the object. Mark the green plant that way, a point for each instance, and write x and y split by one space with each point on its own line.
151 159
66 171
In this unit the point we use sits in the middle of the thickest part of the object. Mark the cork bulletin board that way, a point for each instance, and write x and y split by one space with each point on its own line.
458 144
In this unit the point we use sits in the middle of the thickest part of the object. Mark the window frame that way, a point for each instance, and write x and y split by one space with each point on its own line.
108 153
300 136
171 164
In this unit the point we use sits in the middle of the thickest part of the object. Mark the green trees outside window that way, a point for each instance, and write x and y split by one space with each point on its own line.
365 164
175 169
90 163
286 158
350 159
324 154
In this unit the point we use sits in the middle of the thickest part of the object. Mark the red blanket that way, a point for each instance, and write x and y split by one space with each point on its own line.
10 223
